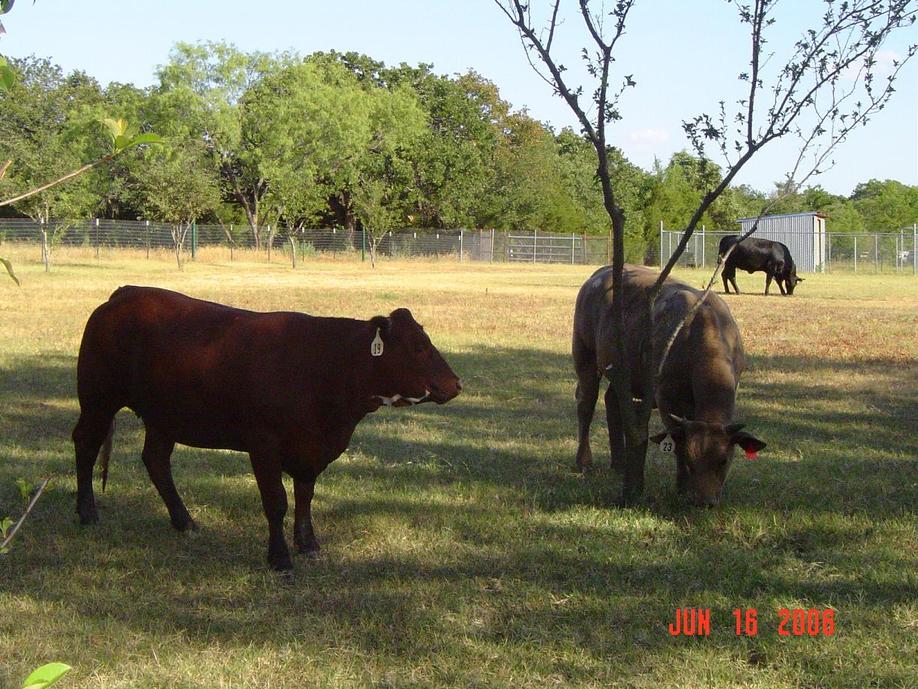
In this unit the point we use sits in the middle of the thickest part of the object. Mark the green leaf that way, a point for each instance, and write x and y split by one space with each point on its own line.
115 128
7 76
45 676
148 138
5 525
25 488
9 269
6 6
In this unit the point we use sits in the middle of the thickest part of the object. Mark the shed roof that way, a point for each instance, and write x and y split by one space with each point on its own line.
789 215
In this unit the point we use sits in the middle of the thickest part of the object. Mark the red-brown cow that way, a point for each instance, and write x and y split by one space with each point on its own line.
285 387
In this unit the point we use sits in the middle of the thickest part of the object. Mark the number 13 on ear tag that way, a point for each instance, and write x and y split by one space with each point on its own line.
376 347
668 445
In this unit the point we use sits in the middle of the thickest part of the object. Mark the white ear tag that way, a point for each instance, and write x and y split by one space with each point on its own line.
376 347
668 445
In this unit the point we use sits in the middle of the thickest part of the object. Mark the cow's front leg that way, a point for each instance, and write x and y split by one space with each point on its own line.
268 475
768 278
303 535
780 284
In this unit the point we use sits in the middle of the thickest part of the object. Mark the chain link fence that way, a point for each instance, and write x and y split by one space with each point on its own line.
876 252
60 240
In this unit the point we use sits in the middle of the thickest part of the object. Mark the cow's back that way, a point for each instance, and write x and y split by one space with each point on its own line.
699 377
709 348
183 364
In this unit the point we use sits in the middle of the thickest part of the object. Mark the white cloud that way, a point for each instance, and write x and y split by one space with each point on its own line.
883 68
648 137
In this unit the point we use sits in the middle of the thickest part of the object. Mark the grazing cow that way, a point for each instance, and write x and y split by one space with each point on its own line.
285 387
752 255
696 393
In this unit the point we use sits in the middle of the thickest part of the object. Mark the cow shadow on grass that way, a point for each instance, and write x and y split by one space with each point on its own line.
513 428
466 522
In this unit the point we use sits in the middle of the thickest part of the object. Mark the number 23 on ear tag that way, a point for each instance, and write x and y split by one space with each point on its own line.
668 445
376 347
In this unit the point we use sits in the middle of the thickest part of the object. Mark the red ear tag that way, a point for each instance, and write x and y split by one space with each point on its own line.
752 454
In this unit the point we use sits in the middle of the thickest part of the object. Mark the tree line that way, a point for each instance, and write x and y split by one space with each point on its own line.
340 139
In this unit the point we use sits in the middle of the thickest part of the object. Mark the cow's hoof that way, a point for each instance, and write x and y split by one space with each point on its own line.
281 564
184 525
309 548
89 517
628 499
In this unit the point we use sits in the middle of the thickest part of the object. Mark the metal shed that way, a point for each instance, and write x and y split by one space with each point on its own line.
803 233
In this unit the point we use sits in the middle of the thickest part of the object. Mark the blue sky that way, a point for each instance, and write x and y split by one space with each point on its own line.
684 56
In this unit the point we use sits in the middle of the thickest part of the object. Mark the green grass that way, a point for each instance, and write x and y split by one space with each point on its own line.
459 547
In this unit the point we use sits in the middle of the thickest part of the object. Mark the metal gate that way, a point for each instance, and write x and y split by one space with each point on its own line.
537 248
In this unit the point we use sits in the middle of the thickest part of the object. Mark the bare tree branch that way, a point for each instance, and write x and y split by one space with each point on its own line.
15 528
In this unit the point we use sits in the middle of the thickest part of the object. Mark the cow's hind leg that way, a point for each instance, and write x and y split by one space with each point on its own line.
303 535
616 432
91 431
268 475
729 276
588 378
156 455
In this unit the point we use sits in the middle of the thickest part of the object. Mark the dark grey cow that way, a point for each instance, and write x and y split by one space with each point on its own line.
696 394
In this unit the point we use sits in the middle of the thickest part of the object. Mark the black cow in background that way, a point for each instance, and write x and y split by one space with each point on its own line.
752 255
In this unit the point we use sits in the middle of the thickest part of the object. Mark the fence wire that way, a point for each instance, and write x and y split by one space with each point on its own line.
878 252
154 239
863 251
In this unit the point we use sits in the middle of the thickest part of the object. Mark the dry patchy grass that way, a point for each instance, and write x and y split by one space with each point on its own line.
460 549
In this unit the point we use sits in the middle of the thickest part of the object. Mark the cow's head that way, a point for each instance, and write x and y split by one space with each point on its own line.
792 281
703 455
409 369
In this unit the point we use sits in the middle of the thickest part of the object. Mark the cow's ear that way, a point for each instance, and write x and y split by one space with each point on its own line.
401 314
383 324
799 279
747 441
658 437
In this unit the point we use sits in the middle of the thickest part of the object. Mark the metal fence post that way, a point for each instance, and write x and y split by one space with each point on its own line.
573 240
363 244
147 236
915 249
855 253
703 241
96 223
828 251
876 253
194 240
460 245
661 243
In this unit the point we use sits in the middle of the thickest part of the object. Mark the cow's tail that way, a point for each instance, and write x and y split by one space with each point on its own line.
105 453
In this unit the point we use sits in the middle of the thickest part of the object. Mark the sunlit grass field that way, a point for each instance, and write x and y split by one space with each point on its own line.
459 548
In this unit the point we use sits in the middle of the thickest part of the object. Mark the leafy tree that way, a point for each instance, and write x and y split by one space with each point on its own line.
47 129
887 205
176 186
381 186
200 89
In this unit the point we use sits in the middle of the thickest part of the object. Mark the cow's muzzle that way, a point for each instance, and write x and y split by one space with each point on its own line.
441 394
